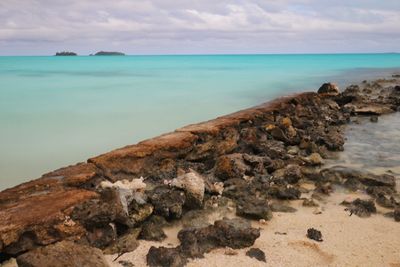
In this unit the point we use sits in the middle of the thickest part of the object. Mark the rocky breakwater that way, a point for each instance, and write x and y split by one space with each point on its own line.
255 158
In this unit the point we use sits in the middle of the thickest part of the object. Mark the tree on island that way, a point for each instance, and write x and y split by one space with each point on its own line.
105 53
66 53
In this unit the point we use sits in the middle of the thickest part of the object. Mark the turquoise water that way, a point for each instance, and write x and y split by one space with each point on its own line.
56 111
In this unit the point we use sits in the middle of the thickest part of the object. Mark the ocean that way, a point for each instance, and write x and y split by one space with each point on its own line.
57 111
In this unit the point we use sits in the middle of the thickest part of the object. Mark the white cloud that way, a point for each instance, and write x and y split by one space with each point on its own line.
159 26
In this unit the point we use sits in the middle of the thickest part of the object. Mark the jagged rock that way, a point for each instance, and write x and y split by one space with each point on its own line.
233 233
329 88
340 174
256 253
165 257
397 214
100 236
279 207
374 118
152 229
193 184
310 203
167 202
314 159
231 166
372 110
286 193
126 243
314 234
361 208
63 253
253 208
126 264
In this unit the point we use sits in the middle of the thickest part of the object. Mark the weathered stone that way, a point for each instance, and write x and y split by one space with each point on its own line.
310 203
152 229
254 208
341 174
361 208
231 166
193 184
314 159
126 243
397 214
64 253
329 88
165 257
314 234
279 207
286 193
167 202
233 233
256 253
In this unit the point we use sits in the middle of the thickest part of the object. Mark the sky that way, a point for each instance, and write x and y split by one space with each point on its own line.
43 27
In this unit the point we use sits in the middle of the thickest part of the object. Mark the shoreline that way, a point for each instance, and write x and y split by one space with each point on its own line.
253 150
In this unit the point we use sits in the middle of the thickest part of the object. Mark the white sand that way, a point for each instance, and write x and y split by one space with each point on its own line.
348 240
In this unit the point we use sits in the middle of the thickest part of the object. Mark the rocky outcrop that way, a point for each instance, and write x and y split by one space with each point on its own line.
251 157
233 233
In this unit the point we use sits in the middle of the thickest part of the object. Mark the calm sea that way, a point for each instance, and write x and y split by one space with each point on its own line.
56 111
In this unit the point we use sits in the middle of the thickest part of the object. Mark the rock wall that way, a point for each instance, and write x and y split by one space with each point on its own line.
248 156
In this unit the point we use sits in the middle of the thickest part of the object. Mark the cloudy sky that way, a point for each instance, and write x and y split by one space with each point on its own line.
42 27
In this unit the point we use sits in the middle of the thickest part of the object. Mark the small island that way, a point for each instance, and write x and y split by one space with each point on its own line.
105 53
66 53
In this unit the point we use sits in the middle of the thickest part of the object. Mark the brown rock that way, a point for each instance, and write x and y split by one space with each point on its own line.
62 254
329 88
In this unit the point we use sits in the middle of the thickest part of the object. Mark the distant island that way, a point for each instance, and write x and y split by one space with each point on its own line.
104 53
66 53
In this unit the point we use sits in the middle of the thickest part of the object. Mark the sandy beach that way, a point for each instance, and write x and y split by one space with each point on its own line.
347 240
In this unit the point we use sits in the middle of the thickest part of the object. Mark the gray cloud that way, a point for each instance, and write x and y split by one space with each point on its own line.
199 26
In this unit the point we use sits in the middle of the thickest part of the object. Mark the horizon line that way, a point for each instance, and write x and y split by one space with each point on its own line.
210 54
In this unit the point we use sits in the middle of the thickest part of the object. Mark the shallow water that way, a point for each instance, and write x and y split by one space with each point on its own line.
372 146
56 111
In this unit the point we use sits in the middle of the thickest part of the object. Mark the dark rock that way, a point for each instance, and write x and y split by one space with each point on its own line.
253 208
290 174
165 257
279 207
126 243
314 234
361 208
102 236
386 202
64 253
257 254
285 193
373 118
340 174
310 203
126 263
152 229
231 166
167 202
329 88
397 214
233 233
